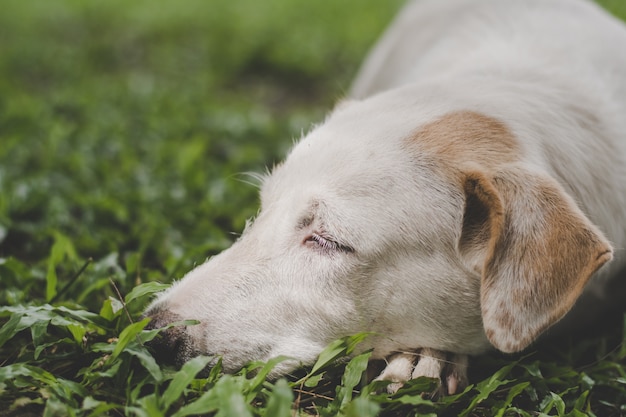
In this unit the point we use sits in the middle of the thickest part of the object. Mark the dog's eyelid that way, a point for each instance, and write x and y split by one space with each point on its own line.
324 242
327 242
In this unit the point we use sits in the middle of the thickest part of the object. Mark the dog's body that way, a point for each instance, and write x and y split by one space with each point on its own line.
462 198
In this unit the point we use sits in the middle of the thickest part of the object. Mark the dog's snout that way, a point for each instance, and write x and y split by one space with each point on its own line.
171 342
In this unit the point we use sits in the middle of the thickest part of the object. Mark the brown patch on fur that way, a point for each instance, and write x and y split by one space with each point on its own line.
466 137
504 319
534 248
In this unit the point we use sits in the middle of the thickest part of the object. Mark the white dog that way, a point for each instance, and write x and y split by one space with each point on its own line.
462 198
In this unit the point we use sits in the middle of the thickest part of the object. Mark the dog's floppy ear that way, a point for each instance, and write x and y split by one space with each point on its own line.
534 248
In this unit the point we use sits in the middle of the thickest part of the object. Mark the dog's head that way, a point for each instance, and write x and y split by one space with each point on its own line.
430 231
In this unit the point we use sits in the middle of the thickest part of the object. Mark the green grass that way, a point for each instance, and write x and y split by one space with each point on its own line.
126 130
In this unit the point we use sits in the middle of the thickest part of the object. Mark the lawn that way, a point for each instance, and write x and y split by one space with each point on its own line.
128 132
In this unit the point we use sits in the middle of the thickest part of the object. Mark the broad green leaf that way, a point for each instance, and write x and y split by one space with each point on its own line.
353 341
182 379
78 315
449 399
257 382
16 370
67 390
581 402
587 382
513 392
39 317
10 328
129 333
336 349
147 361
89 403
419 386
522 413
56 408
413 400
138 411
207 403
533 369
103 347
215 372
58 316
233 404
61 248
555 401
78 332
486 387
150 405
99 370
97 408
142 290
111 308
351 377
225 396
578 413
362 407
313 380
279 400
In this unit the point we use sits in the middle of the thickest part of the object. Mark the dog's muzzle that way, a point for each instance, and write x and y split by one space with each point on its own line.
172 345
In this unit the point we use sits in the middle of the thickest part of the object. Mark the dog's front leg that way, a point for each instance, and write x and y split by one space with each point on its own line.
449 369
398 370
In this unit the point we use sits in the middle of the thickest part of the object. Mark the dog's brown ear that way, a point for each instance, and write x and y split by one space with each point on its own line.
534 248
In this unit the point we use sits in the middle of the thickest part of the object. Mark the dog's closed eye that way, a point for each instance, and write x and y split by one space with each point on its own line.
326 243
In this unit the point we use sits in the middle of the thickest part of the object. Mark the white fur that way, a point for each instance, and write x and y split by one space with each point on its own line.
553 71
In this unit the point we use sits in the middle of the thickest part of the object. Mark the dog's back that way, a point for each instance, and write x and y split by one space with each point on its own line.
433 38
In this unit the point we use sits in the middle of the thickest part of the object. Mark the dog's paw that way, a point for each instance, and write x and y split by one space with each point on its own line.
449 369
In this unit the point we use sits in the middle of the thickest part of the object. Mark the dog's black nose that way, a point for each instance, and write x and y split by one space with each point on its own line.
170 344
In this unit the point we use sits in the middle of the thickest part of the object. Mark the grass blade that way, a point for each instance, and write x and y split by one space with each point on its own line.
182 379
486 387
129 333
10 328
145 289
279 402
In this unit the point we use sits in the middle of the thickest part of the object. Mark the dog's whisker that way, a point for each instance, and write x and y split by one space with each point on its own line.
420 355
256 178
